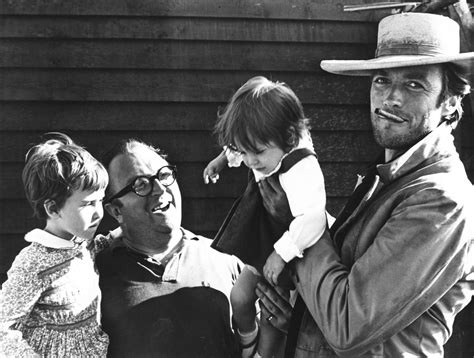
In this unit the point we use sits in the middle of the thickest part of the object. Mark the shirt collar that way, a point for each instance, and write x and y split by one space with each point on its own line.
47 239
121 244
162 260
167 267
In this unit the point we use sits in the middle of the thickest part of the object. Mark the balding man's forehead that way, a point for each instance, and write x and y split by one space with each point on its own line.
137 160
116 170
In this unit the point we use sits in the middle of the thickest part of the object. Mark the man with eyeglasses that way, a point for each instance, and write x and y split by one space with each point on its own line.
164 290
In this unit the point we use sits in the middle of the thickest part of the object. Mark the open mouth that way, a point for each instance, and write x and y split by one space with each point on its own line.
390 116
161 207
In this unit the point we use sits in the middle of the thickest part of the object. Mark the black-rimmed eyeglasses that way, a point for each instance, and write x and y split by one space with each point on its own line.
143 185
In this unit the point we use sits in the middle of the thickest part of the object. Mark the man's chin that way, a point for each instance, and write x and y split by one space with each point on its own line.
395 143
167 228
167 236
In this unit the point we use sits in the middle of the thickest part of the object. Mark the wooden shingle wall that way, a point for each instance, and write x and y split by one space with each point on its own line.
102 70
159 70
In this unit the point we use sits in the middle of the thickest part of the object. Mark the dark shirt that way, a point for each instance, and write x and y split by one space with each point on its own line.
180 310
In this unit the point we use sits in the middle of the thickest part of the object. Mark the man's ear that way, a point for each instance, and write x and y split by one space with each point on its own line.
114 211
51 209
450 105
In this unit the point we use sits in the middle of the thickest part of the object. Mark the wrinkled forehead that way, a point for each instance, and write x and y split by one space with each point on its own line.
125 167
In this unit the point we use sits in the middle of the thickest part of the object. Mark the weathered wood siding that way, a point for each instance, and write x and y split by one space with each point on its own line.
102 70
159 70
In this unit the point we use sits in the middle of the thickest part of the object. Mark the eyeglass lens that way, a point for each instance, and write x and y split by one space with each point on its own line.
144 185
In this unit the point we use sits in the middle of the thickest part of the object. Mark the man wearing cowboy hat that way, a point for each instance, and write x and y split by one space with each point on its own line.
397 266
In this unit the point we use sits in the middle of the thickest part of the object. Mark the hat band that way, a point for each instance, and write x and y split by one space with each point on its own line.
408 49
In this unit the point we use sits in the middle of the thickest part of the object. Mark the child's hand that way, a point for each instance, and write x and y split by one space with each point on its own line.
273 268
211 172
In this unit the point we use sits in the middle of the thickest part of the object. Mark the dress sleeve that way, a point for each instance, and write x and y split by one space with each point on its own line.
102 242
304 187
422 247
18 296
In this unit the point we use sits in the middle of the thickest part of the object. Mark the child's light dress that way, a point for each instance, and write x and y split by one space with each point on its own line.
49 305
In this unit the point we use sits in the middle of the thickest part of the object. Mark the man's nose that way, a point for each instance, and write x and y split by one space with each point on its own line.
158 188
393 97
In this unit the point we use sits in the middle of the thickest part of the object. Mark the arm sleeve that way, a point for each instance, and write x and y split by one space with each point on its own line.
422 247
18 296
304 187
233 158
102 242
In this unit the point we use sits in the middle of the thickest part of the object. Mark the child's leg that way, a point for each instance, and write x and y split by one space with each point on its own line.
243 298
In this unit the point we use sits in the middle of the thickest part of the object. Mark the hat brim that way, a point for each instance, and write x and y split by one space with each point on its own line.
366 67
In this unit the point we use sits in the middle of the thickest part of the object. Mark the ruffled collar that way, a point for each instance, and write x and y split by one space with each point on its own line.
52 241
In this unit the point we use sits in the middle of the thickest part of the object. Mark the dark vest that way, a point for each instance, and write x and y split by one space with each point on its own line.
248 232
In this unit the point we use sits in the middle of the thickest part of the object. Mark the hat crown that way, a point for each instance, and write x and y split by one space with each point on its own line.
417 34
409 39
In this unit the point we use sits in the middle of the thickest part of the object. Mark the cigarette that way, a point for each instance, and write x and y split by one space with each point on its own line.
388 115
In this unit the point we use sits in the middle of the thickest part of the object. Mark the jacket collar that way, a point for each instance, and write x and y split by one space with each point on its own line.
436 145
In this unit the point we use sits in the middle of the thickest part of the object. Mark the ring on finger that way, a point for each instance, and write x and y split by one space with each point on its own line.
269 318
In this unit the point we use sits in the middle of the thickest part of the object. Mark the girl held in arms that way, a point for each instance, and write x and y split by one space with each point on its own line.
264 126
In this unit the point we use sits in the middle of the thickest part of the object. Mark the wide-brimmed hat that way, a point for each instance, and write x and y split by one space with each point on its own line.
408 39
